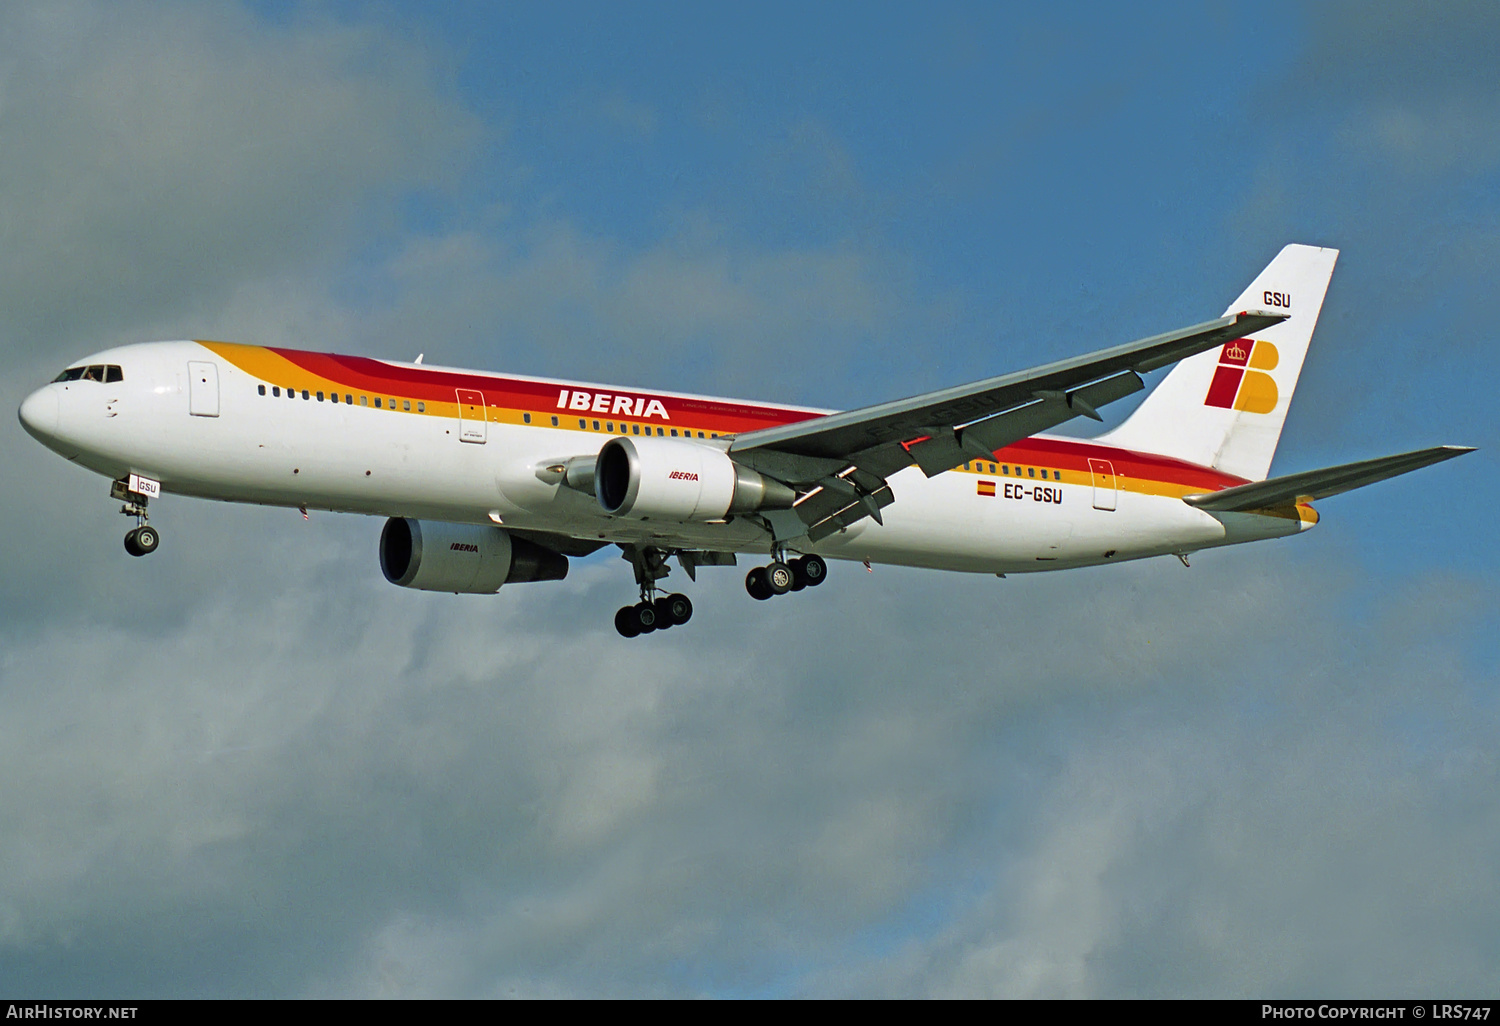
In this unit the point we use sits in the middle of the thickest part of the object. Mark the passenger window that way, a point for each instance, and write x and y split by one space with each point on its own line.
635 429
659 432
992 468
714 435
391 403
333 397
526 418
1031 472
113 374
406 406
583 425
348 398
700 434
261 389
276 391
320 397
422 408
304 394
674 432
364 400
1057 475
610 427
377 402
1005 468
291 393
554 419
596 425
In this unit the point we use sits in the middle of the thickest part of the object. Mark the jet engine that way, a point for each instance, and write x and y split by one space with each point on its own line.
434 556
673 479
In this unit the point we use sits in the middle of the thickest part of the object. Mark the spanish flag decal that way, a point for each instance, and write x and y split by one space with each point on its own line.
987 488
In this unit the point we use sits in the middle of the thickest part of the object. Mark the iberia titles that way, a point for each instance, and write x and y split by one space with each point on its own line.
610 404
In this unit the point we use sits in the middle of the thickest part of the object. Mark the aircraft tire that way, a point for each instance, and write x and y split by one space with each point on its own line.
779 578
814 569
626 622
799 581
755 584
130 543
677 608
147 539
647 616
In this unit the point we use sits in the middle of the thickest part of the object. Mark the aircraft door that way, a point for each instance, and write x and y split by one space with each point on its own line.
203 388
1104 483
471 416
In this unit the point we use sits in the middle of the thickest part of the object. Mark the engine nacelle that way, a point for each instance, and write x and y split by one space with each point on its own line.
434 556
674 479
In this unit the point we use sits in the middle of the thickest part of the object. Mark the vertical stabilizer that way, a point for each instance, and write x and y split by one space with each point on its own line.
1225 408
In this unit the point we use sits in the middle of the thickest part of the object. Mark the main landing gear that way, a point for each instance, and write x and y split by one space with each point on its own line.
780 577
142 539
653 612
657 612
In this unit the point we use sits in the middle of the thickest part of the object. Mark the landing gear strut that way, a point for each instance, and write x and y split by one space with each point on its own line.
653 612
780 576
142 539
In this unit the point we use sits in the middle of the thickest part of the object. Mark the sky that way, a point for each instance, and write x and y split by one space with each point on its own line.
248 766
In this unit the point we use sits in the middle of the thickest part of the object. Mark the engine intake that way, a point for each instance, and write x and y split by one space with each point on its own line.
430 555
672 479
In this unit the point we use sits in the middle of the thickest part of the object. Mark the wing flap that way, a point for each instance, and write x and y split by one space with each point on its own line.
1319 484
981 439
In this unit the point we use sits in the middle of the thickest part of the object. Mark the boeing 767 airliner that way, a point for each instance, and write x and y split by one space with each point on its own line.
490 479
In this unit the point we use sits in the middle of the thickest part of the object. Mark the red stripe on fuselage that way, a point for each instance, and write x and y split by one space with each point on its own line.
360 373
1074 454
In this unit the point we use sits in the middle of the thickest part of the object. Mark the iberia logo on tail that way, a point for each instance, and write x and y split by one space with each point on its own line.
1241 381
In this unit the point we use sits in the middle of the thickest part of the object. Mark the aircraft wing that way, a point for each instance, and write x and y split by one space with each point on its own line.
845 458
1319 484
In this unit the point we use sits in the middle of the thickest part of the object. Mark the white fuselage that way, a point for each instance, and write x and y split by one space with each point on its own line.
240 445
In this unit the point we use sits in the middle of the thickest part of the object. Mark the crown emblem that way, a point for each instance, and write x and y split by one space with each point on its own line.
1234 352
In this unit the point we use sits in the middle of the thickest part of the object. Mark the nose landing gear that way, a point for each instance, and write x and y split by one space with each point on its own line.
142 539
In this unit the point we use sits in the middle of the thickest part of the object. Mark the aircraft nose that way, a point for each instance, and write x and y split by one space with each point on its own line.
39 413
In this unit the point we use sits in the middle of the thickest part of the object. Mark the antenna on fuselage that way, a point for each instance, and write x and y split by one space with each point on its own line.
419 358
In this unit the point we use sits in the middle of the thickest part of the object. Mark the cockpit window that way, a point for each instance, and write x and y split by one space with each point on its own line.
97 372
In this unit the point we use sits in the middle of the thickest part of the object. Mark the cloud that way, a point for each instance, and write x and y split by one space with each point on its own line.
173 169
155 152
694 307
361 790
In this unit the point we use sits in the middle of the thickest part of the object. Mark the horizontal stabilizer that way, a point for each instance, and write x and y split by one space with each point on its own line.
1319 484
